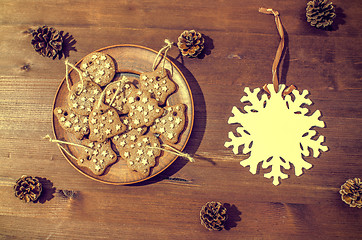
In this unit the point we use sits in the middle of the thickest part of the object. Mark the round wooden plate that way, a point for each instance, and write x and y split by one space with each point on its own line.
131 60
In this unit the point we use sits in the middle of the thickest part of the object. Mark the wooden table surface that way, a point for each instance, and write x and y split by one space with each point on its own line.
240 48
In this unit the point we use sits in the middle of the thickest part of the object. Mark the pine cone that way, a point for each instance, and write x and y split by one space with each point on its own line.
190 43
213 216
28 188
320 13
351 192
47 41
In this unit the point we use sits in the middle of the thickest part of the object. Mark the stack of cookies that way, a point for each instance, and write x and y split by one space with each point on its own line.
128 118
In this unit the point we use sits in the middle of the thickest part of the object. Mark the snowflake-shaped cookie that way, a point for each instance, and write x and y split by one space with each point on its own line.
143 110
158 83
98 157
171 123
141 154
276 131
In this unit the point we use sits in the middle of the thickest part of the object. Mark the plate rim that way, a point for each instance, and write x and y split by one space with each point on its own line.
65 155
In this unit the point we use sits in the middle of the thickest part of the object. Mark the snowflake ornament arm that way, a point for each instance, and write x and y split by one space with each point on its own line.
276 131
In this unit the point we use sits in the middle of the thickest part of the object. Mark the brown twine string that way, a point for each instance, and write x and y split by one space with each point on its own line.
67 63
280 47
175 151
163 59
278 54
63 148
64 142
101 97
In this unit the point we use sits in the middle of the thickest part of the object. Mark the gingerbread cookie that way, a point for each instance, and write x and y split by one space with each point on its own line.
171 124
141 154
104 122
158 83
119 101
98 67
127 138
82 98
98 157
143 109
72 122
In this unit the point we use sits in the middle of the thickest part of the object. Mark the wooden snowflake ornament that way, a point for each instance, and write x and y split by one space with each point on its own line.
276 131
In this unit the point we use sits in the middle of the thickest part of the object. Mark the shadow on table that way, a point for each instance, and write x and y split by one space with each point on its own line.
48 190
233 216
197 133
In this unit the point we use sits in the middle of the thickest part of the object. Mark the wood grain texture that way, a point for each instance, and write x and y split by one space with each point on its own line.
240 51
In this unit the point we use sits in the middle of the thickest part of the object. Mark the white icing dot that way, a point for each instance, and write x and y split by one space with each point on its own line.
68 124
59 111
96 130
162 130
150 153
118 127
77 128
136 121
170 135
139 108
123 143
126 154
91 99
144 100
75 105
139 151
62 119
94 121
108 131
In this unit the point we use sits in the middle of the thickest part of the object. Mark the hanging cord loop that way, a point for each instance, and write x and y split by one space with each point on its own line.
278 54
175 151
67 63
280 47
163 59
